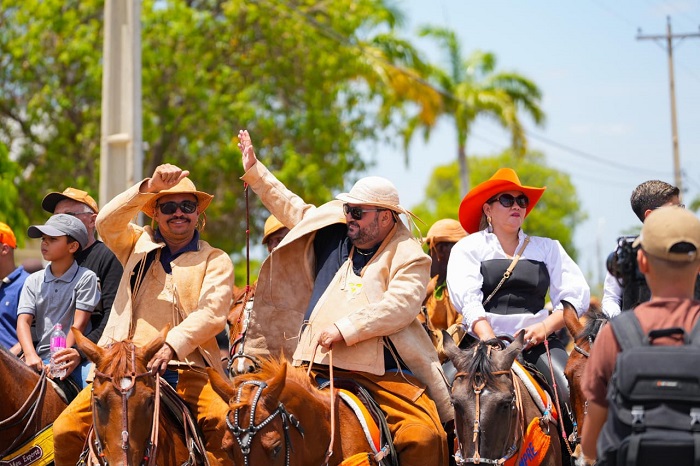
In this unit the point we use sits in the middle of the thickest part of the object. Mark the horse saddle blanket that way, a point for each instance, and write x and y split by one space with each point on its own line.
539 395
37 451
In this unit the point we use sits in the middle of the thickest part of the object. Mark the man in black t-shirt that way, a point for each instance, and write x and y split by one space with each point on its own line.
95 256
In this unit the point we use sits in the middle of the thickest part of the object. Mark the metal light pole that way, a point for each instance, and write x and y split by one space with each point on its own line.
121 148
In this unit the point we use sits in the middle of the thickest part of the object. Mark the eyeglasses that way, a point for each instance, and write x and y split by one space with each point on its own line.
169 208
507 200
357 212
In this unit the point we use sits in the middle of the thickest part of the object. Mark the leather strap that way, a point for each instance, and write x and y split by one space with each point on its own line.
509 270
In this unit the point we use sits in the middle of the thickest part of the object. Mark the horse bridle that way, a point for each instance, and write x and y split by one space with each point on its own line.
96 449
244 436
26 413
238 346
478 388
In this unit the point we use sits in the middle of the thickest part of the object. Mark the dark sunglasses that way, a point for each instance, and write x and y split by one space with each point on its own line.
169 208
507 200
357 212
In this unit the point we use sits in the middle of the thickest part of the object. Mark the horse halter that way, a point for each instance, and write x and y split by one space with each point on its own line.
244 436
478 388
149 457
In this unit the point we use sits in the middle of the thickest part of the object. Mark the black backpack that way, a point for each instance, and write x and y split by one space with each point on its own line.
654 399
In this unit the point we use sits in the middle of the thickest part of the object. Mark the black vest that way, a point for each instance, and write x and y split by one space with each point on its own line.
523 292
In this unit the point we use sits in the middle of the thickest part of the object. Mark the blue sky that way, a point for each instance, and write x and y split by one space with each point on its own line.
606 97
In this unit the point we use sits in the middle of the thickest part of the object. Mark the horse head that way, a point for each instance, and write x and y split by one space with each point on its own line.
123 399
584 333
486 400
260 428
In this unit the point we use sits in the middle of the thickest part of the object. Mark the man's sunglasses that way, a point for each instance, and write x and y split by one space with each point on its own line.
507 200
169 208
357 212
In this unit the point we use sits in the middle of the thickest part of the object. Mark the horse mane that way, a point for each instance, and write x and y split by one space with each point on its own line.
272 366
116 360
480 367
595 318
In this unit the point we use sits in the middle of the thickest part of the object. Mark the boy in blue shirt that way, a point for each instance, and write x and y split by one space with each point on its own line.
62 293
11 280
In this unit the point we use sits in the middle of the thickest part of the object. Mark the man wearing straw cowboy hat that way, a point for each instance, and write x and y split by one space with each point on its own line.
352 277
171 277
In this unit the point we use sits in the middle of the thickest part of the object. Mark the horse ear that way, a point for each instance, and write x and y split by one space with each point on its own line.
452 351
573 324
274 388
157 343
220 385
508 355
92 351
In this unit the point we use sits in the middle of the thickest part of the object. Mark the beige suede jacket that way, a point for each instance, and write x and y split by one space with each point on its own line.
203 283
394 284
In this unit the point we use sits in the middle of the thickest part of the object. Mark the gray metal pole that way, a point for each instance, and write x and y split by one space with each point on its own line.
121 150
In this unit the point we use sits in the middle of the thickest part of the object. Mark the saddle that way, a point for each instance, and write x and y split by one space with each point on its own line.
371 417
67 389
194 438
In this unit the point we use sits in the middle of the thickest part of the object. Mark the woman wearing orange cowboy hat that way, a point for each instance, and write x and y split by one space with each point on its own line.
493 213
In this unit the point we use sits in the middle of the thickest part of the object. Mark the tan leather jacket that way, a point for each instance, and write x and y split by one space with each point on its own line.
394 284
203 286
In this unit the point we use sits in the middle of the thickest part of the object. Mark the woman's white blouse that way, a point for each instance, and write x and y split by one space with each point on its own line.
464 279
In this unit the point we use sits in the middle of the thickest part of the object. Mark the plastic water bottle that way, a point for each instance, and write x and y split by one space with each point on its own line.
58 342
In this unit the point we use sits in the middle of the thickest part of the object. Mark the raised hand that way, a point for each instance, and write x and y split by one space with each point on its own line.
246 147
164 177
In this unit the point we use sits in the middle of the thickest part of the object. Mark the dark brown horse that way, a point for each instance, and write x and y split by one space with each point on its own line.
496 417
278 417
29 403
129 426
584 333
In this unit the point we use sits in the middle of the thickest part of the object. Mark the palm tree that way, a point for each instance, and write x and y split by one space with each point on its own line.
471 87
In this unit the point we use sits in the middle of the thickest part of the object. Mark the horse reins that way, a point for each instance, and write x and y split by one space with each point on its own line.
96 446
27 412
244 436
476 430
329 450
247 300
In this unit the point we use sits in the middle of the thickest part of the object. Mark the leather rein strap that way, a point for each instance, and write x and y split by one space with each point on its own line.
509 270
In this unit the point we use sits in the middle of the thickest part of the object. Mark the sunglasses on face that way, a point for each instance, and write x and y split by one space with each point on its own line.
169 208
357 212
507 200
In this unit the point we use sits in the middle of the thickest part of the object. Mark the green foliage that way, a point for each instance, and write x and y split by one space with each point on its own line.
311 80
556 215
9 214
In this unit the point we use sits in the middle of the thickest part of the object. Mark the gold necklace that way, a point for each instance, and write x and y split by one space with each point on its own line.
366 254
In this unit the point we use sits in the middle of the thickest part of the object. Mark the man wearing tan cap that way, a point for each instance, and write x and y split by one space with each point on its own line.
273 233
171 278
95 256
353 274
669 258
12 278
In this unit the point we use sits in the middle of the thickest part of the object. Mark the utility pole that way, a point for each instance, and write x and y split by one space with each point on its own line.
121 148
674 125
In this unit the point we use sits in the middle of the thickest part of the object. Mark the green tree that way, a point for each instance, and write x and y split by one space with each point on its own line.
473 88
556 215
9 214
313 81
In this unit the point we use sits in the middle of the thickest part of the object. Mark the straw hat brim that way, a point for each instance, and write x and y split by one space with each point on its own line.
347 198
470 209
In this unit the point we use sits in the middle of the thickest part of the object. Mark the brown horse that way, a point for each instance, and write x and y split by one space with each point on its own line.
496 418
29 403
278 417
129 428
584 333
